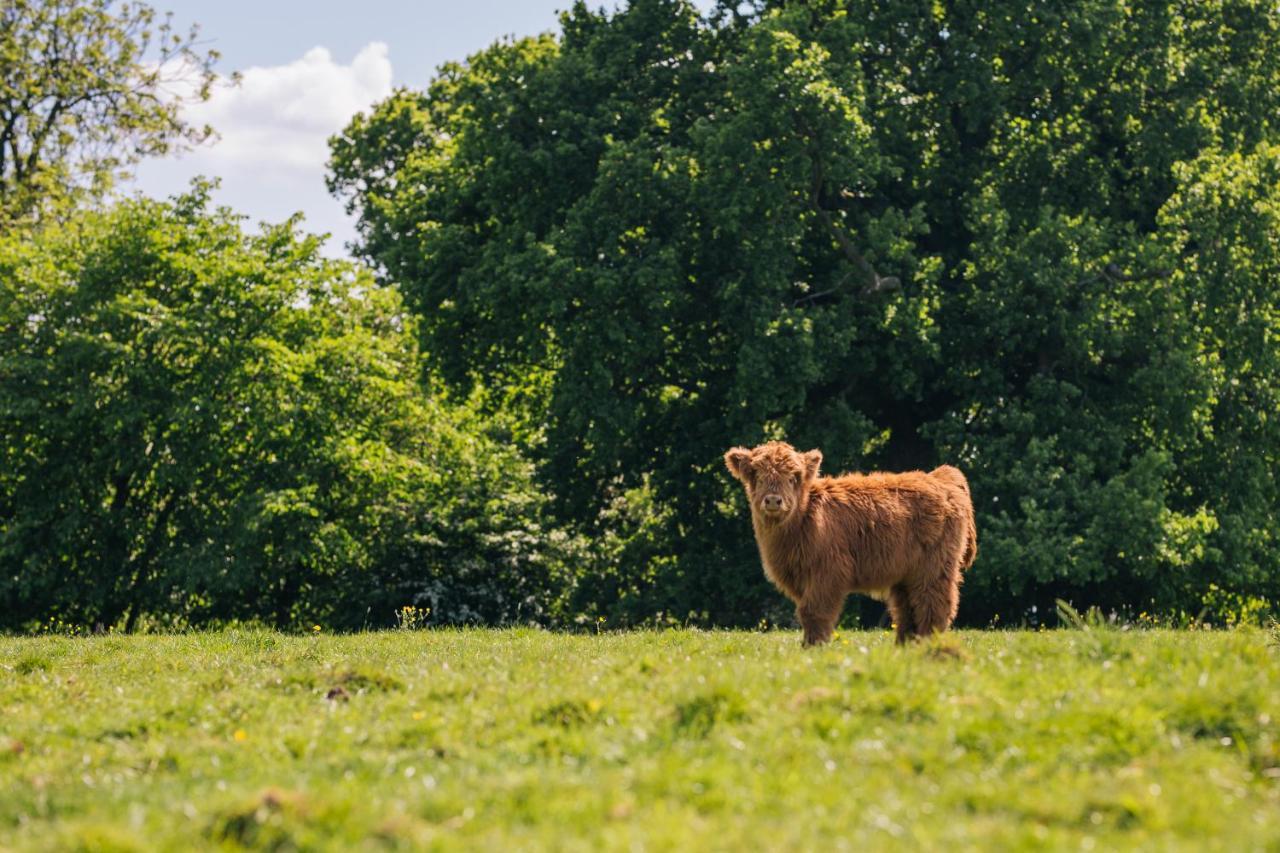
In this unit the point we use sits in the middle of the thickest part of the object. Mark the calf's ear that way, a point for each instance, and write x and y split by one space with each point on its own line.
738 461
812 460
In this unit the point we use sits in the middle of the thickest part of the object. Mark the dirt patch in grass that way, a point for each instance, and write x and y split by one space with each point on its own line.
367 681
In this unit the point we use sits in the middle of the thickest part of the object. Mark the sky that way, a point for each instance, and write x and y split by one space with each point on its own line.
308 66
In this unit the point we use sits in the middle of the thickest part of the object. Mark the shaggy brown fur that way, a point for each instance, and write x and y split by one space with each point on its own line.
901 538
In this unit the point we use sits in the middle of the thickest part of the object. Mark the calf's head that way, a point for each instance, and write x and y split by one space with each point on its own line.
776 476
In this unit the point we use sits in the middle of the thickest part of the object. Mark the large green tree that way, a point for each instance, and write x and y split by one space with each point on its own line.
87 88
201 424
1030 238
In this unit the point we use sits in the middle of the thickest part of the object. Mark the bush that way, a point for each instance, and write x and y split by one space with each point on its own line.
200 425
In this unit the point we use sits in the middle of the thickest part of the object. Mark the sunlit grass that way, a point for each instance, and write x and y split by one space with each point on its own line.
715 740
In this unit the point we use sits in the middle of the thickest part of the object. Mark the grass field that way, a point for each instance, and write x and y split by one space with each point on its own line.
697 740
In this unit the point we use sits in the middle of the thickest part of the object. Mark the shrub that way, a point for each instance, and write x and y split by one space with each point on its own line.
199 424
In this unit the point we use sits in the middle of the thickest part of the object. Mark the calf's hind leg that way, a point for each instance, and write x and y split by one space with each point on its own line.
935 604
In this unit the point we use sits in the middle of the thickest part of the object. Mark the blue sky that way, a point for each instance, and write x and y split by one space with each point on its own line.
308 67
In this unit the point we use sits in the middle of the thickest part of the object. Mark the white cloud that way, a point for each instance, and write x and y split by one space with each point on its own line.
273 131
281 116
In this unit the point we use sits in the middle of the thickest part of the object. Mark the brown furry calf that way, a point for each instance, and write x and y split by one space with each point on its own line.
901 538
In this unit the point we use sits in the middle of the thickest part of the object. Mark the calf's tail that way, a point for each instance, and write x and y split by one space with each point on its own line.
970 545
952 477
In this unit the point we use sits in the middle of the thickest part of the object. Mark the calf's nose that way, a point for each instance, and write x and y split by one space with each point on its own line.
773 501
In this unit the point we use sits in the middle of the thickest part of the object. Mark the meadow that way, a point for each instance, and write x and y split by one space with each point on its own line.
525 739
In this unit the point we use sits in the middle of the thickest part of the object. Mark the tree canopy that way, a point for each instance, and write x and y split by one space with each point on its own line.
87 88
1031 239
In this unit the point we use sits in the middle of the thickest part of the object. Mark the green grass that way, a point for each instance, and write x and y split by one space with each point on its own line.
717 740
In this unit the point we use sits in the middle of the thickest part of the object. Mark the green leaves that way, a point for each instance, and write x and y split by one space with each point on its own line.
199 424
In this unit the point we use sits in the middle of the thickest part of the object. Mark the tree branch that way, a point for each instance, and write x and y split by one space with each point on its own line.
875 283
1112 273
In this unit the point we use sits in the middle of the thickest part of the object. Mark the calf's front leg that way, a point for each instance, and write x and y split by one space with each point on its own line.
818 614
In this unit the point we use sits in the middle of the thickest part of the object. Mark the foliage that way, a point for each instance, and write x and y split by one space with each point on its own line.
200 425
87 88
481 739
1034 240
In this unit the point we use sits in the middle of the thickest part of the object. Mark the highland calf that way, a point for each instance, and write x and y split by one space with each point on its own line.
901 538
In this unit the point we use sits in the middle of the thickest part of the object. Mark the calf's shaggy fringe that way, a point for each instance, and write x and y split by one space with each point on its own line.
901 538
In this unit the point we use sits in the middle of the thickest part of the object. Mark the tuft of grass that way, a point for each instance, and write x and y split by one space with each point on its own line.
569 713
265 822
944 648
697 716
30 663
673 739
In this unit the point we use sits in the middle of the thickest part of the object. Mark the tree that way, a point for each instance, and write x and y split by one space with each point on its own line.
906 233
87 88
197 424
